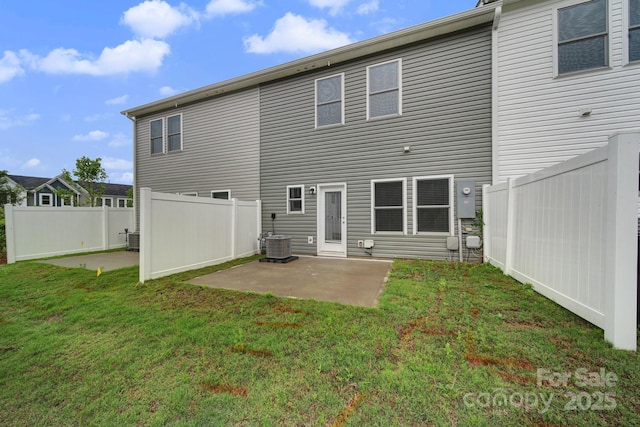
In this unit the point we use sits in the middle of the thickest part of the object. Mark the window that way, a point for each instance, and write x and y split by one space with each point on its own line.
330 101
582 36
295 199
66 200
223 194
157 136
432 204
384 92
122 203
174 132
389 201
634 30
104 201
46 200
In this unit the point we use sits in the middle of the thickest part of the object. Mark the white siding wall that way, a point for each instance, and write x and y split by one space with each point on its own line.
538 116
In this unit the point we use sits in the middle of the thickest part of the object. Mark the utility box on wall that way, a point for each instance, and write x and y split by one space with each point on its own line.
466 199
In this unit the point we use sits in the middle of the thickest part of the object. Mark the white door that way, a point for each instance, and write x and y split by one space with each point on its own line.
332 220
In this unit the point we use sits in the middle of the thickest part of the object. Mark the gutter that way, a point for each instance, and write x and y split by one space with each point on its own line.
438 27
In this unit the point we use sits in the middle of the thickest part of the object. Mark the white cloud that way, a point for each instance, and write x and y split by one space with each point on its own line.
96 117
294 34
117 100
167 91
121 177
10 66
94 135
119 140
157 18
7 120
225 7
117 164
366 8
130 56
334 6
31 163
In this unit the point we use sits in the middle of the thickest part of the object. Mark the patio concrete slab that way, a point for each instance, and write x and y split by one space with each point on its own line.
347 281
106 261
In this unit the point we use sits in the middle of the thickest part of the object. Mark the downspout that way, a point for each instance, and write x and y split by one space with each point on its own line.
135 205
495 115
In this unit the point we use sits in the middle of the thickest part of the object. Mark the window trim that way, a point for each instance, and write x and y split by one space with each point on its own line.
124 202
102 199
626 31
167 135
162 151
404 206
399 113
289 211
41 196
556 38
342 101
221 191
71 200
450 177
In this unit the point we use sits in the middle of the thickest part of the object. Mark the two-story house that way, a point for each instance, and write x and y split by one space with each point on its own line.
358 144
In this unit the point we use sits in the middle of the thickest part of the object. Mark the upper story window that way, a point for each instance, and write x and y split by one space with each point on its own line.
46 199
634 30
384 89
122 203
295 199
174 133
389 206
583 36
221 194
330 101
433 204
157 136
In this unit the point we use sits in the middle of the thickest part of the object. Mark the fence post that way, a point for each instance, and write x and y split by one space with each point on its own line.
259 225
105 228
11 243
621 245
234 225
486 226
145 234
510 238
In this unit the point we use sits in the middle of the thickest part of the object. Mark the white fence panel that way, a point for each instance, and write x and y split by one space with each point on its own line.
570 230
40 232
181 233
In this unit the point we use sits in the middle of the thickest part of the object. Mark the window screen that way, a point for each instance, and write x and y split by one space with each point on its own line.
388 206
582 36
384 89
294 199
634 30
433 200
329 100
156 136
174 133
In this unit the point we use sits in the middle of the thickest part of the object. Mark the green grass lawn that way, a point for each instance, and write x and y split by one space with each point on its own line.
450 344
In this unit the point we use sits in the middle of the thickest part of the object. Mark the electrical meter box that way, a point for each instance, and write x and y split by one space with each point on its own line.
466 199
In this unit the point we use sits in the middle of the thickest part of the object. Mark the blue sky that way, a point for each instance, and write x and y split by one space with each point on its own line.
68 67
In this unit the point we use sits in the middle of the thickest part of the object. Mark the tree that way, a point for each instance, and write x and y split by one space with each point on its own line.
91 176
11 195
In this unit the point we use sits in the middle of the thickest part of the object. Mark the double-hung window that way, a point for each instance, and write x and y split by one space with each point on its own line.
433 204
634 30
389 202
157 136
174 133
330 101
295 199
384 89
583 39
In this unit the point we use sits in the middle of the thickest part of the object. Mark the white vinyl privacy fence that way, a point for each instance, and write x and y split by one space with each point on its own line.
570 230
39 232
180 233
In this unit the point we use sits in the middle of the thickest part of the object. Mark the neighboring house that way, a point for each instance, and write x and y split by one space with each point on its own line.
364 142
567 77
45 192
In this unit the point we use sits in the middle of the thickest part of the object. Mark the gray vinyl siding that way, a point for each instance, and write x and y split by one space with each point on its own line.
220 149
446 121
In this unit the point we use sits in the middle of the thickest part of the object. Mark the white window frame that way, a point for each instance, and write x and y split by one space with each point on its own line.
626 31
221 191
450 205
124 202
102 199
342 100
162 151
41 196
404 206
189 193
556 38
169 150
289 211
71 201
399 113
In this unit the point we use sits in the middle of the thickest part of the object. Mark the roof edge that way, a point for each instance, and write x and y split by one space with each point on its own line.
446 25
